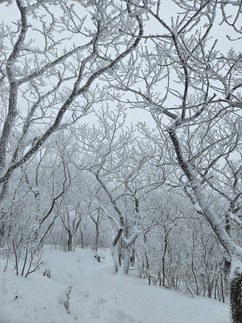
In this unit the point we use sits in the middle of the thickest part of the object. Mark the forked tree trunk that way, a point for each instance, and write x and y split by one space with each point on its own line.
236 298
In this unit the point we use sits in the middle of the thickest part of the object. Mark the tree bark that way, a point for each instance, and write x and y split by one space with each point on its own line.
97 236
70 241
236 298
126 263
82 241
118 236
116 255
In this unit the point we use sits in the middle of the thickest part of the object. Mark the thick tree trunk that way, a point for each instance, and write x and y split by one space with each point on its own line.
70 241
226 274
116 252
236 299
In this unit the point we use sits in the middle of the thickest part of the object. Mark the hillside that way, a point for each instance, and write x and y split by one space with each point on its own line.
97 295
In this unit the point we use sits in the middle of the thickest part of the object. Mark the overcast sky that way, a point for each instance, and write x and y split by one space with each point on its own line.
10 14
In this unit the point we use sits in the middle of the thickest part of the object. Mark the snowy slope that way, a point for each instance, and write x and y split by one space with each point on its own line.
97 296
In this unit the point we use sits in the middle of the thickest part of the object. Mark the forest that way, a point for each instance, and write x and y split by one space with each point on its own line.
120 128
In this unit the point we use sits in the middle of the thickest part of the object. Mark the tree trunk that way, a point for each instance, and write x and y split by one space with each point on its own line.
116 250
70 241
97 236
226 273
163 272
126 263
163 259
116 261
82 241
132 257
236 298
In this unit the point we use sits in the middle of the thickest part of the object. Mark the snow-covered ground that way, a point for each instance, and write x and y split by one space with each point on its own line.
97 295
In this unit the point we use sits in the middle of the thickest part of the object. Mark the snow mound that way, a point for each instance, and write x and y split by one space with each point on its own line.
33 299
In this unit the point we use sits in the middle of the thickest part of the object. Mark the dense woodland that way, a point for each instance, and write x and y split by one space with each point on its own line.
165 195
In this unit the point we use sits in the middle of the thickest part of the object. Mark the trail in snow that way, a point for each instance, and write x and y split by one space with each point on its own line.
100 296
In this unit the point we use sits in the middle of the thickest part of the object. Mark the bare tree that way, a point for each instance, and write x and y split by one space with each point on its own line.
123 168
191 86
31 210
51 83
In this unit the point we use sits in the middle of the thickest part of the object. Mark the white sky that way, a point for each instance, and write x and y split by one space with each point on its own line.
9 13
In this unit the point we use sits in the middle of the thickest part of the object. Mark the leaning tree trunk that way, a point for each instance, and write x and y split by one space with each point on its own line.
236 298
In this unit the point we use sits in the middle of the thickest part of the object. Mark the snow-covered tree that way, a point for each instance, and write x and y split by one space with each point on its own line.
188 76
52 55
122 166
